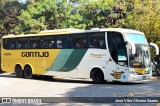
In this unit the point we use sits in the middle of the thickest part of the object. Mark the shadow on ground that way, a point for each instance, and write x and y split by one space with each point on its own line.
98 93
69 80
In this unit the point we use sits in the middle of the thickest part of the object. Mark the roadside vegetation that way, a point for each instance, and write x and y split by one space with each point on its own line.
36 15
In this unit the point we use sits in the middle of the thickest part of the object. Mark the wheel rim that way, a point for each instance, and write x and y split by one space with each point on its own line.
99 76
19 71
28 72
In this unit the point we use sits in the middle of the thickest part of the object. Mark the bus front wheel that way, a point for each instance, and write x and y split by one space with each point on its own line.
19 71
97 76
28 72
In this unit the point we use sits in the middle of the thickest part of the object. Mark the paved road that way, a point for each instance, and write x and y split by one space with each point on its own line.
10 86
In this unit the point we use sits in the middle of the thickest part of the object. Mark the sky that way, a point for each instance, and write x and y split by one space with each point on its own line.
23 1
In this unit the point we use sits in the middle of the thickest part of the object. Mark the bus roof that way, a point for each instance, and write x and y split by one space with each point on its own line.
73 31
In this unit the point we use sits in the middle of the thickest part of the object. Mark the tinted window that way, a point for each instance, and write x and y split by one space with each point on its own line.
20 43
97 40
78 41
6 43
47 42
84 40
34 42
62 41
9 43
117 47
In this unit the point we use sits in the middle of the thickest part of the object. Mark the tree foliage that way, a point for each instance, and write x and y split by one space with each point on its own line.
146 18
43 14
37 15
9 10
100 13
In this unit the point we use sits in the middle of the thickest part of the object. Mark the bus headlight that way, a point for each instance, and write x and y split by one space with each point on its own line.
133 72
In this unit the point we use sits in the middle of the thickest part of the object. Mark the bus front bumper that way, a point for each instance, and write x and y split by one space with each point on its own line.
133 77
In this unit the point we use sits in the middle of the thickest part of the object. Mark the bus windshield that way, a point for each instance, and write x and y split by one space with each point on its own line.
141 58
137 38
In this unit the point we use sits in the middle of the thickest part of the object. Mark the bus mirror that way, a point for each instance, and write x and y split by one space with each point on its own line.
156 47
132 47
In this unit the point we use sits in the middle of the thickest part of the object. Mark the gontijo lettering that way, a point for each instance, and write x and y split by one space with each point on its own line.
35 54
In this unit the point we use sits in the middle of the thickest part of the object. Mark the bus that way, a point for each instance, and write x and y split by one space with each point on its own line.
111 54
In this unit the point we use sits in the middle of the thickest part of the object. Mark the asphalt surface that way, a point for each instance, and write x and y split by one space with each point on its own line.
10 86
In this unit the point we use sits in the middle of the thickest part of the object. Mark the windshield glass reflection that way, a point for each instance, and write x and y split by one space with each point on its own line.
142 58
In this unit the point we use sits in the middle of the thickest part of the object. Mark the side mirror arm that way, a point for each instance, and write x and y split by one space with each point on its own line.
156 47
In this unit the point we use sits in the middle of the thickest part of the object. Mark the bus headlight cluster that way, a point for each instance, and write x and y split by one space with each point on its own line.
133 72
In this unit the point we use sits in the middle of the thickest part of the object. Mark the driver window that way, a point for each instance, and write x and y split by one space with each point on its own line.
117 47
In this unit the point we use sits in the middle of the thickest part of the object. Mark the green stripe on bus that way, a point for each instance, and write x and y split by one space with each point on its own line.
61 59
74 60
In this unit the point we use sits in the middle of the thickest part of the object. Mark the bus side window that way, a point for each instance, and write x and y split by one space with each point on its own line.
65 42
59 44
102 44
6 44
93 43
62 41
58 40
26 45
51 44
34 45
11 44
74 42
77 44
18 45
97 40
44 44
80 41
34 42
23 43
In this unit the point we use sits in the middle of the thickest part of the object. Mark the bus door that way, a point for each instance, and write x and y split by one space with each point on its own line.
122 62
117 63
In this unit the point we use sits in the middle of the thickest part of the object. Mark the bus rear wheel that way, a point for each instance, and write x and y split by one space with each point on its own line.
97 76
19 71
28 72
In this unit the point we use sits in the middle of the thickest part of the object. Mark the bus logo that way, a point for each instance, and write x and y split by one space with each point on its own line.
117 75
35 54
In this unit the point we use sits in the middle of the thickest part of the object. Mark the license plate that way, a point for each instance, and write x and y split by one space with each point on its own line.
144 77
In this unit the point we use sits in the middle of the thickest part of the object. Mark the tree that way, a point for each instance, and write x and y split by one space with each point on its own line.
8 16
146 18
97 13
43 14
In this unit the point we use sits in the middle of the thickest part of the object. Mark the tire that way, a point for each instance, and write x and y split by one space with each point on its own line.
97 76
28 72
19 72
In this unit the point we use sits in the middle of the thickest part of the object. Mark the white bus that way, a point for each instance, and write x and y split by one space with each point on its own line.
113 54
